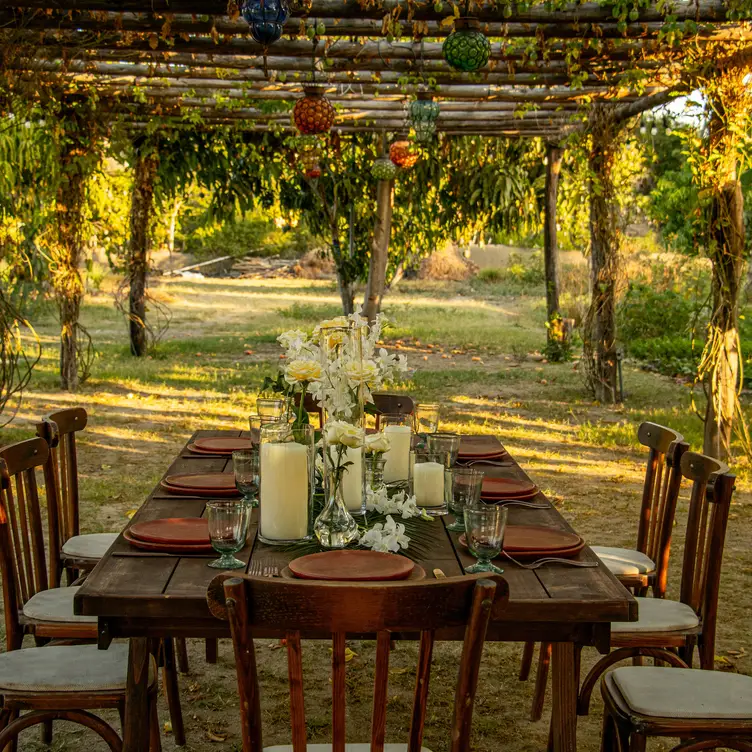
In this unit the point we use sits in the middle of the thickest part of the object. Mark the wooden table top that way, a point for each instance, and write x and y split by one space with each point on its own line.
131 589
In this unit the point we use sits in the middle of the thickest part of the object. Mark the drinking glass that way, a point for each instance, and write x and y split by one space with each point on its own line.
466 489
427 418
446 444
428 482
271 408
246 467
228 528
484 530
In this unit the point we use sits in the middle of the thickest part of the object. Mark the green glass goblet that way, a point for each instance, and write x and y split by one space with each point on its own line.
484 530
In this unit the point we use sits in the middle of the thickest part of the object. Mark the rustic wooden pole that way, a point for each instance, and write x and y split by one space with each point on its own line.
379 249
554 156
142 199
599 330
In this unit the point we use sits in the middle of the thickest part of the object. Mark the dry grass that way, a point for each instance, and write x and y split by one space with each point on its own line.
583 455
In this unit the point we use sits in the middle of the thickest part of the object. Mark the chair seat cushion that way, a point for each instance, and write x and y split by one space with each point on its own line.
624 561
658 615
90 546
55 604
684 692
65 668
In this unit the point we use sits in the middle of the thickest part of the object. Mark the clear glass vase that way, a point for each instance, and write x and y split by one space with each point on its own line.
375 472
335 527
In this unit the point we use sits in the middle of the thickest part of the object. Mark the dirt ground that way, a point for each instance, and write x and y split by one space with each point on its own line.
219 348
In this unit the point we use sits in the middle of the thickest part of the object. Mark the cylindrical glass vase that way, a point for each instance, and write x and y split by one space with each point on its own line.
428 482
398 429
286 483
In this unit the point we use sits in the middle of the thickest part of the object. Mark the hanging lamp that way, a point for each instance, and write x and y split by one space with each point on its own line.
466 48
383 168
313 113
402 154
422 114
266 19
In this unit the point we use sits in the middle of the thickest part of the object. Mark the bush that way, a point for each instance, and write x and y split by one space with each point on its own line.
490 274
645 313
671 355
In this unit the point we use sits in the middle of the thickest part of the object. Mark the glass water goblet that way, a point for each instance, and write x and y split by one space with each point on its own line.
228 528
246 467
446 444
427 418
467 485
484 531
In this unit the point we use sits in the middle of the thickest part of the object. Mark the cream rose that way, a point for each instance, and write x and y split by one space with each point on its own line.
362 373
377 443
302 369
342 432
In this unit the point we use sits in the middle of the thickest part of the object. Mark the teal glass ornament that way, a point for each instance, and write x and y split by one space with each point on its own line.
466 48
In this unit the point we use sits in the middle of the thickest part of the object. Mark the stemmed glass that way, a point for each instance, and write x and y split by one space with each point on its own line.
447 444
467 485
228 528
246 467
485 525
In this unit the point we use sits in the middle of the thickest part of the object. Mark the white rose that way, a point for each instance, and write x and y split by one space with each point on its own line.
378 442
342 432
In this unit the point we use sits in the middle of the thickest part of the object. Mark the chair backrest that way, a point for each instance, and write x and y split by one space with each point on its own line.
660 494
310 405
392 404
22 555
710 499
59 431
339 609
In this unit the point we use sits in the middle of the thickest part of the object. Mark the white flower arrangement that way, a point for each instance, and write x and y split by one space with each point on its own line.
388 537
400 503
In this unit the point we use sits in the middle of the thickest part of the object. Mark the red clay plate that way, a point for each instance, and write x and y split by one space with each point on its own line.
491 499
207 494
507 487
348 565
535 553
192 531
538 538
223 445
167 548
205 481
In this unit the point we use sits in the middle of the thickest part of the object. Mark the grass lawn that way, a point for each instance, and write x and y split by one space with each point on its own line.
469 347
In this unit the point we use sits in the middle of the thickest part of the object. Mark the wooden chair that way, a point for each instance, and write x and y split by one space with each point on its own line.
31 606
340 609
646 566
392 404
670 630
77 552
707 709
60 682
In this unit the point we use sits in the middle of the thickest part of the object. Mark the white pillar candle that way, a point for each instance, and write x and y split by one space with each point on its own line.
283 496
352 479
397 465
428 484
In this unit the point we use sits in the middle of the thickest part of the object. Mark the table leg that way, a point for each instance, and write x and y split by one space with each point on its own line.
564 697
135 729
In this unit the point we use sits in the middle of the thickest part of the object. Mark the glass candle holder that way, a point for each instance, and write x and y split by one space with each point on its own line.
398 429
428 482
286 483
446 444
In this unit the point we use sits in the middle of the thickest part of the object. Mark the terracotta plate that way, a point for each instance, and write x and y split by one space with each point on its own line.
222 445
210 493
349 565
508 487
538 538
167 548
562 551
491 499
205 481
192 531
418 573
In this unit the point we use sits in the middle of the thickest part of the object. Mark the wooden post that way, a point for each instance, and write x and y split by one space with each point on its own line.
727 104
554 156
599 330
142 199
379 249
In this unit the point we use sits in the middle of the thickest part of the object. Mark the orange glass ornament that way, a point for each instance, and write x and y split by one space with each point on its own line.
402 154
313 113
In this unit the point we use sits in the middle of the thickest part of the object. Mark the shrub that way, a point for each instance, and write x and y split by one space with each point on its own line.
672 355
645 313
491 274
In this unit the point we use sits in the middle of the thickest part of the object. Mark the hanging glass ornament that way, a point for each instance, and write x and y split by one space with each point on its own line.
266 19
402 154
422 110
383 168
424 131
309 163
313 113
466 48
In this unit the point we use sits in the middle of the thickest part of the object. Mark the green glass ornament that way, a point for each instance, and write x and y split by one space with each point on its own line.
466 48
384 169
423 109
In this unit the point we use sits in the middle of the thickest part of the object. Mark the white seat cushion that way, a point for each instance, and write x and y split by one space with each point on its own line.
90 546
65 668
352 747
624 561
684 692
658 615
55 604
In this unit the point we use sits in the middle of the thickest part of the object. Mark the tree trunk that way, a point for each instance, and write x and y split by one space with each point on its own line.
555 332
726 250
599 331
379 250
172 227
142 199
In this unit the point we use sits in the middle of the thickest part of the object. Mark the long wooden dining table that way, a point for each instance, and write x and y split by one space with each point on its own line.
144 595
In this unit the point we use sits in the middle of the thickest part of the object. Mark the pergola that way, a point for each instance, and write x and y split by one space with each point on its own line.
555 68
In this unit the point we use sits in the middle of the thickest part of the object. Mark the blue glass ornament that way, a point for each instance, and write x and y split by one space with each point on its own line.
266 19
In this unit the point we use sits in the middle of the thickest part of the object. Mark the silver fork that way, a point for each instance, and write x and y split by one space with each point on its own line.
493 463
515 502
256 569
551 560
271 571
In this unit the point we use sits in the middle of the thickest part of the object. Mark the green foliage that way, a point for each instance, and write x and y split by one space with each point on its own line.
647 313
